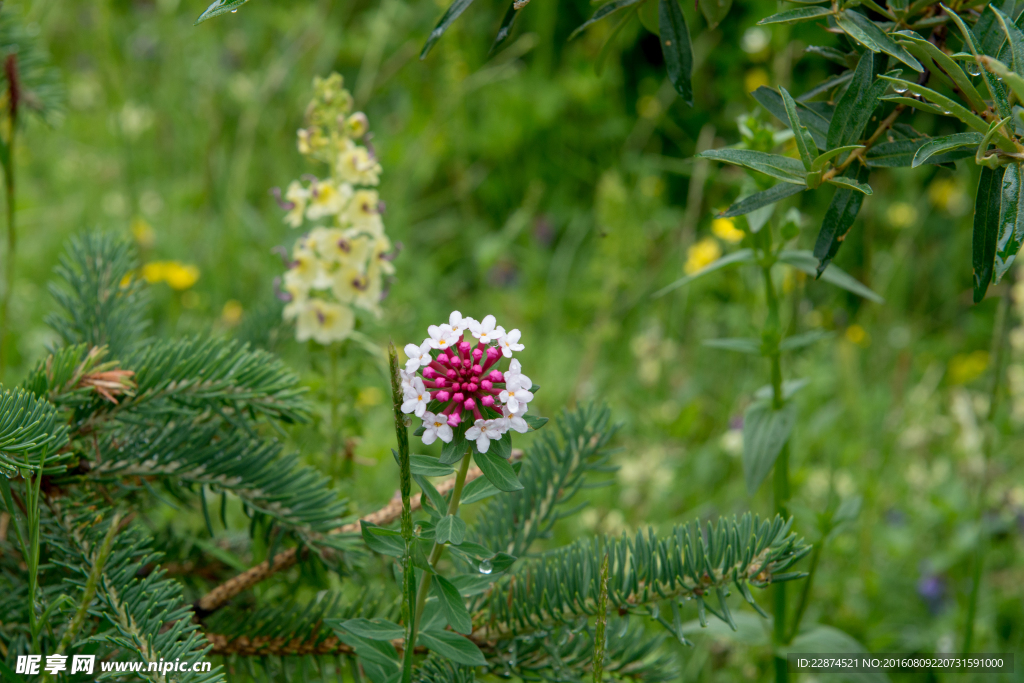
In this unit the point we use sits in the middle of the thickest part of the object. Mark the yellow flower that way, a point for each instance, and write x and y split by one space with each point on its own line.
725 229
178 275
964 368
326 199
363 211
231 314
298 196
755 78
901 214
355 165
947 195
701 255
324 322
855 334
143 233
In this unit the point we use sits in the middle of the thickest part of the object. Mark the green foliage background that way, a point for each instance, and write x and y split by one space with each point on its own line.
528 185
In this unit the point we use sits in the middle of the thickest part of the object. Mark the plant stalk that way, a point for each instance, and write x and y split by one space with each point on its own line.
602 622
12 237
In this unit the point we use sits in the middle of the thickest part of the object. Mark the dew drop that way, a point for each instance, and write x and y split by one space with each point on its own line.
973 68
899 87
486 567
234 11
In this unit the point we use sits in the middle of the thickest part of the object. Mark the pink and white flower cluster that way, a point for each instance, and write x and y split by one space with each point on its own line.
463 381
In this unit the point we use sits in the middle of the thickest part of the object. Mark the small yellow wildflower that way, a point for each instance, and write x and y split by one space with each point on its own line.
755 78
964 368
231 314
947 195
901 215
298 197
355 165
178 275
143 233
327 199
324 322
701 255
725 229
855 334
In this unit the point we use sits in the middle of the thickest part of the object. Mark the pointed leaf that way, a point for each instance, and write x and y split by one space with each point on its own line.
785 169
1011 220
805 261
842 212
447 19
945 105
798 341
373 629
498 471
817 121
995 88
823 158
428 466
505 30
383 541
602 12
986 228
450 529
675 46
453 451
452 605
437 501
762 199
858 103
740 256
742 345
850 183
1014 36
452 646
901 153
765 432
920 105
804 143
868 34
714 11
535 422
946 144
948 69
219 7
1002 71
796 15
480 488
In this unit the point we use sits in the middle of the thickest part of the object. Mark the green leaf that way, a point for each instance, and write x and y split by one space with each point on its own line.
450 529
761 199
765 432
740 256
806 261
428 466
815 115
785 169
714 10
948 69
741 345
945 144
804 143
675 47
383 541
535 422
868 34
920 105
826 640
850 183
900 153
452 606
505 30
373 629
842 212
1011 220
602 12
822 159
498 471
453 646
379 653
453 451
1002 71
798 341
478 489
447 19
986 228
1014 36
796 15
858 103
995 88
503 446
437 501
219 7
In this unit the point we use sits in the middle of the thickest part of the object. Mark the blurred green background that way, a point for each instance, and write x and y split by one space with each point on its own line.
558 196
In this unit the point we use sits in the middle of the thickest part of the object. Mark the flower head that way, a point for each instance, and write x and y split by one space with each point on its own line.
436 427
463 379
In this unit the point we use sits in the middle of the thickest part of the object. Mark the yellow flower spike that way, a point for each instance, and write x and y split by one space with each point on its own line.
181 276
725 229
701 255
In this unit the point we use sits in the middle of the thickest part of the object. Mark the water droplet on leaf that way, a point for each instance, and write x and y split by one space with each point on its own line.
973 68
486 567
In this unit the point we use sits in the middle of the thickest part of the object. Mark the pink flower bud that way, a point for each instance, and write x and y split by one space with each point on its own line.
440 382
471 387
487 401
477 354
442 396
493 353
496 376
442 359
454 419
429 373
464 347
470 404
451 374
487 385
477 370
459 397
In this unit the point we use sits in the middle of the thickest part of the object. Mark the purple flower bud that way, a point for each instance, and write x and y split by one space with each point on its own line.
281 295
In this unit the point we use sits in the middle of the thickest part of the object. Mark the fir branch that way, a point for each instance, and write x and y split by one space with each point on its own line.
28 425
220 595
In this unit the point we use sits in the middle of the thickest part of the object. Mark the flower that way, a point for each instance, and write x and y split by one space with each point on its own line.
436 427
297 197
322 321
178 275
485 431
462 377
509 342
418 355
701 255
356 165
725 229
416 398
327 199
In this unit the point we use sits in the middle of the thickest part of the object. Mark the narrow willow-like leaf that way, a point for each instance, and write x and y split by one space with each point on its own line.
823 158
738 344
453 646
839 218
867 33
806 261
945 105
986 228
452 606
799 341
762 199
1011 220
1000 70
825 86
601 12
796 15
447 19
714 11
901 153
765 431
995 88
833 55
915 104
675 47
785 169
843 181
373 629
804 143
858 103
740 256
948 68
219 7
817 123
945 144
505 30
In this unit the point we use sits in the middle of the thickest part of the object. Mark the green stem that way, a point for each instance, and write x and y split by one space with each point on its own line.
435 552
805 594
1000 330
602 619
5 325
332 355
